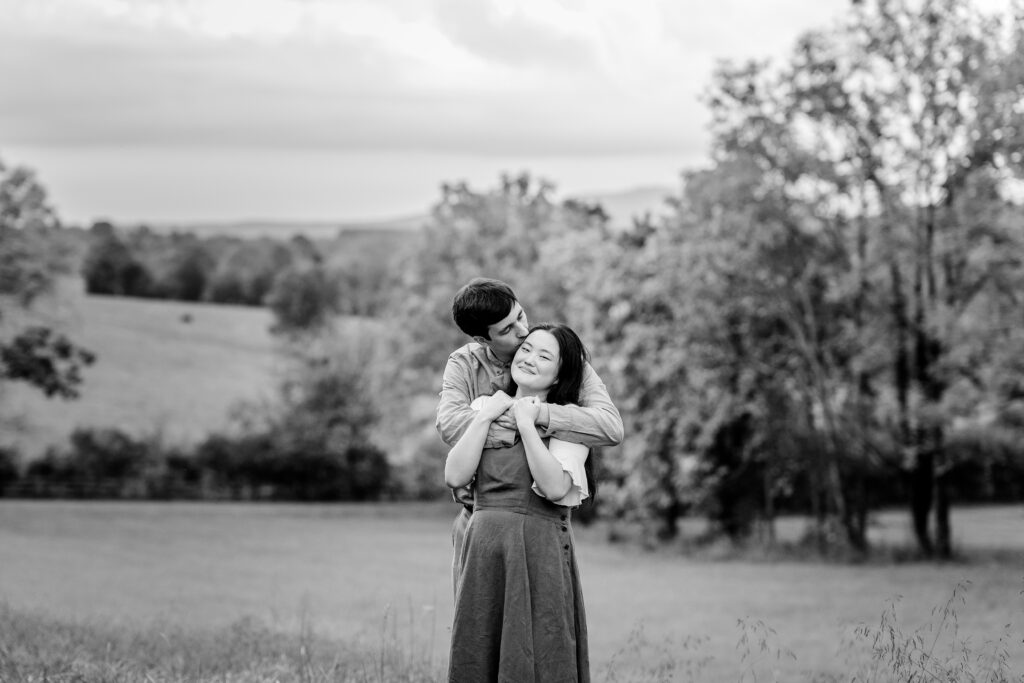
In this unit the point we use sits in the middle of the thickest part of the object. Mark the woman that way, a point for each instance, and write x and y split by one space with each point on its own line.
518 608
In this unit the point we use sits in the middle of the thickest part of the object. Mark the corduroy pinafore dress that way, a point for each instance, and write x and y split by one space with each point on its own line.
519 614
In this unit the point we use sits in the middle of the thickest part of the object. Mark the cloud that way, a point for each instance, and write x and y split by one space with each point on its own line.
116 80
544 77
512 34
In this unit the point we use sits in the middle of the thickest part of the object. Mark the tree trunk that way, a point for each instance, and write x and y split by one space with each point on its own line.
943 530
667 522
857 514
918 468
922 478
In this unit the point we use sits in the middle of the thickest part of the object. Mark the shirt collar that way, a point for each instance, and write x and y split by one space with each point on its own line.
492 359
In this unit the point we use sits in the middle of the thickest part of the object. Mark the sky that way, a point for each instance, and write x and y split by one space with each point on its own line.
340 110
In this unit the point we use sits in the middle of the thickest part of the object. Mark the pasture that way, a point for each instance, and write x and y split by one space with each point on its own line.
351 571
163 367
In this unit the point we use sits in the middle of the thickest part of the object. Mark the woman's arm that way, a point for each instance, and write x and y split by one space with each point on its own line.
463 458
553 481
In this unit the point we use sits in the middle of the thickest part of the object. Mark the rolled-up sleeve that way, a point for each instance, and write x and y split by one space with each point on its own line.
573 458
453 411
453 407
595 422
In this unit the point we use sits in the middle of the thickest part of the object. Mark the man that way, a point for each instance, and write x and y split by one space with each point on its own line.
489 312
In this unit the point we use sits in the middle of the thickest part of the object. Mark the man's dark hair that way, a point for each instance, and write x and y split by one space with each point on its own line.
480 303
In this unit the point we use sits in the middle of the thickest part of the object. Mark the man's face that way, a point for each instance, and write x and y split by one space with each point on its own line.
508 333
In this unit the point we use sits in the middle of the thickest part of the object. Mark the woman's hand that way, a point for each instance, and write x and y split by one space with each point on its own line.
494 405
525 410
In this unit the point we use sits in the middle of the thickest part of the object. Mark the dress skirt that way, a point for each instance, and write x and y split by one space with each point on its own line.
519 615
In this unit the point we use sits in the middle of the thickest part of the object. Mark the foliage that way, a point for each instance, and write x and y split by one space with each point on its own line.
34 254
849 225
111 268
183 266
98 463
315 442
265 465
246 274
500 233
364 267
302 300
45 360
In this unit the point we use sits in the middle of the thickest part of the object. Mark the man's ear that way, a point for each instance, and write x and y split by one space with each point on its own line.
480 339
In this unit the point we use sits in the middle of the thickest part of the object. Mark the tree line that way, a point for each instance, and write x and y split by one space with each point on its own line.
180 265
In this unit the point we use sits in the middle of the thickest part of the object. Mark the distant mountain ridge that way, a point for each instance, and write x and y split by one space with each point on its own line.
621 206
624 205
255 228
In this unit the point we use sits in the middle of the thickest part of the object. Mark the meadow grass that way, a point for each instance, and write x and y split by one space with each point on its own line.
43 648
364 583
37 648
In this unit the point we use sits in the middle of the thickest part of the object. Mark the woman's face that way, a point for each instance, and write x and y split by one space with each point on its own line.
535 365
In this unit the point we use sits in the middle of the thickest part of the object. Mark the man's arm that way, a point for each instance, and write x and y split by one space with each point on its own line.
453 412
595 422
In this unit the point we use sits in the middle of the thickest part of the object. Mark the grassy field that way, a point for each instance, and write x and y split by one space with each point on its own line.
350 573
155 372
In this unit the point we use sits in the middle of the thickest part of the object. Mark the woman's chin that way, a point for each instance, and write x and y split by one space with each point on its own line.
527 383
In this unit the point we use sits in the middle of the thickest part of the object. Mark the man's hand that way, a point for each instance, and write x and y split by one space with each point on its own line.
494 405
506 420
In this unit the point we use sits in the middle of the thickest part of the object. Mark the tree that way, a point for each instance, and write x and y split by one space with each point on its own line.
45 360
110 267
303 300
246 273
500 233
33 255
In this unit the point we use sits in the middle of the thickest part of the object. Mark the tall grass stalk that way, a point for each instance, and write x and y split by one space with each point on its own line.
43 649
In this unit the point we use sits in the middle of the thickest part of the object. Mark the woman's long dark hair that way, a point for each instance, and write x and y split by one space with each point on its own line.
573 359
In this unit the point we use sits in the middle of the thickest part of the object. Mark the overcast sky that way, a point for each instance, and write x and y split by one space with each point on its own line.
177 110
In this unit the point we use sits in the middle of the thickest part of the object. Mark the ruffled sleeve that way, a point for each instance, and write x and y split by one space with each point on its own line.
572 457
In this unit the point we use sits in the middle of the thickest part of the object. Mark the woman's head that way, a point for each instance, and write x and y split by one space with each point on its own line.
551 359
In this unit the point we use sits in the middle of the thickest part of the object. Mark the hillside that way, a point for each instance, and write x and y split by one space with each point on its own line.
172 367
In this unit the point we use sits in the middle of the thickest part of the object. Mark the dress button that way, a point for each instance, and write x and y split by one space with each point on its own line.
566 546
563 518
565 528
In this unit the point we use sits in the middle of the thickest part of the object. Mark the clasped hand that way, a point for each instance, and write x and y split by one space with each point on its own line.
498 406
525 410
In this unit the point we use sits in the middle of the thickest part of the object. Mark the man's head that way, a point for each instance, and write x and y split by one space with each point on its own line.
487 310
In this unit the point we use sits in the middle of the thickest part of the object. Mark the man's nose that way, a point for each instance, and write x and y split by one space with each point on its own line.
523 332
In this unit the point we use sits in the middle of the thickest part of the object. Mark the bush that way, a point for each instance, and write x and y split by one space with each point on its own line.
98 463
286 465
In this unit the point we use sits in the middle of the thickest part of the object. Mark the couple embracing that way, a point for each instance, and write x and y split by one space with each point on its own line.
521 407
